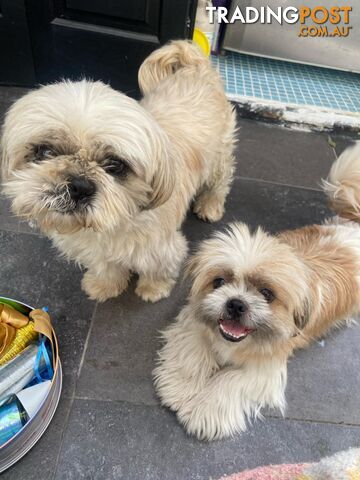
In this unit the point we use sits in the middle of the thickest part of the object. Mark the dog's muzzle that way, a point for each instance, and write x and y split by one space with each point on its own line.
71 198
81 189
231 324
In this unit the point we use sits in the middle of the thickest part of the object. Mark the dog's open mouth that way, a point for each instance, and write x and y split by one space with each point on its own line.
232 331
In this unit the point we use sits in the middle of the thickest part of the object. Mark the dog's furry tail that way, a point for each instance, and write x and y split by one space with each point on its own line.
166 61
343 184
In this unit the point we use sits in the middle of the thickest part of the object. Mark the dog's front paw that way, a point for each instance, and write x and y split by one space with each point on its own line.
100 289
209 207
200 424
207 421
154 290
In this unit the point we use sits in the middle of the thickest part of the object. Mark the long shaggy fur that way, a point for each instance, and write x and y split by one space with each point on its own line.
217 386
342 186
168 60
147 160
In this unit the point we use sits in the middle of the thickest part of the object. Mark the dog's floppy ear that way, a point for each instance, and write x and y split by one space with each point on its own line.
302 315
193 271
191 266
198 271
162 184
4 160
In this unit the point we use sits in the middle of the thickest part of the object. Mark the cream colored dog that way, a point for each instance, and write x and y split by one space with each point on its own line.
110 180
254 299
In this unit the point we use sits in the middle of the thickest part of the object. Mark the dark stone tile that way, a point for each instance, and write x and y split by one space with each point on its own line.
274 207
115 440
33 272
122 347
9 222
40 462
341 143
324 380
281 155
124 337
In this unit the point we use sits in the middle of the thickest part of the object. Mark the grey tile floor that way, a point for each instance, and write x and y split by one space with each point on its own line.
109 424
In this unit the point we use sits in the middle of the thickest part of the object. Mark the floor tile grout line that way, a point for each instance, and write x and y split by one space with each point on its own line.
271 182
71 402
73 396
11 230
310 420
109 400
277 417
86 344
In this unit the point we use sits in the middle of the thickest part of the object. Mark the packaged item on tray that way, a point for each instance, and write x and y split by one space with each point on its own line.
33 363
20 408
12 419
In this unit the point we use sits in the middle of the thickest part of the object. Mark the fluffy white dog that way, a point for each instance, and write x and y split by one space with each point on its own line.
254 299
110 180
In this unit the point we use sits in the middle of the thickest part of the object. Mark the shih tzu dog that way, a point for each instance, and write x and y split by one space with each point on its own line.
110 180
255 298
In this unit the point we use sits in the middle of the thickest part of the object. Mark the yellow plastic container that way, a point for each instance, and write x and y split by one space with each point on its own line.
202 41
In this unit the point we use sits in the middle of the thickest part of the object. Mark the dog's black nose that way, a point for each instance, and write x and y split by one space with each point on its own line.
236 307
81 188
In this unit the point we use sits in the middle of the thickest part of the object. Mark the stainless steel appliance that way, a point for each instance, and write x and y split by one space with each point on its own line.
282 41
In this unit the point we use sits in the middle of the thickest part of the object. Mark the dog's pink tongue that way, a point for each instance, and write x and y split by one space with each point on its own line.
234 328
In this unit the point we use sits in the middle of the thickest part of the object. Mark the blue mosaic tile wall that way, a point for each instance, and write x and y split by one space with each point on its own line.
250 76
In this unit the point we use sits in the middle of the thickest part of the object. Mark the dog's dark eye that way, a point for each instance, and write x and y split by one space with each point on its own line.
116 167
43 151
267 294
218 282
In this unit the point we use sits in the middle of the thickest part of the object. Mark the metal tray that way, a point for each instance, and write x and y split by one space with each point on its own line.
25 439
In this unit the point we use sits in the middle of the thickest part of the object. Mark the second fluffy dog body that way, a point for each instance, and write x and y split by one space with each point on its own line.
110 179
255 298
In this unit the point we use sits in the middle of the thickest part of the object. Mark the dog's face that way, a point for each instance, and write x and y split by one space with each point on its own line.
249 288
81 155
